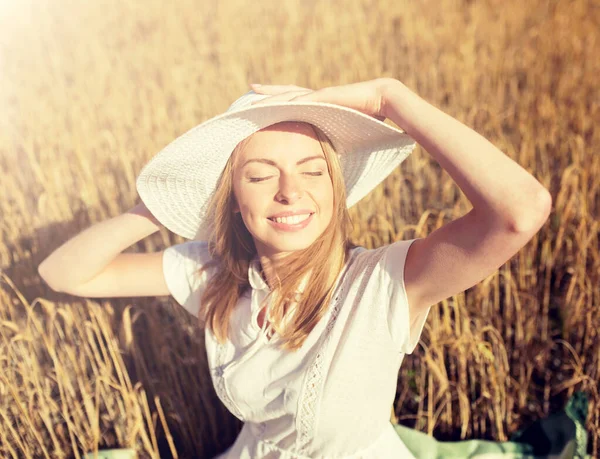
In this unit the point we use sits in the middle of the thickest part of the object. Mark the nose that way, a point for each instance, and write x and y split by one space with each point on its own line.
290 189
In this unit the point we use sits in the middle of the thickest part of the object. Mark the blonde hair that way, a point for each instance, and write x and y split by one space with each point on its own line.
232 249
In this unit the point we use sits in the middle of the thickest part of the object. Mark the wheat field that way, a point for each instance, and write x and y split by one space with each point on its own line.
90 91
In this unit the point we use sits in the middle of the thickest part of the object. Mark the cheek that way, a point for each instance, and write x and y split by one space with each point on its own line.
251 199
327 194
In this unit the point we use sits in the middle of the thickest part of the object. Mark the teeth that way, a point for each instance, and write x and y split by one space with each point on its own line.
293 220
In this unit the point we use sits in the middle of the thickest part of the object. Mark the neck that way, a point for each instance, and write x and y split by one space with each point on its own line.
269 266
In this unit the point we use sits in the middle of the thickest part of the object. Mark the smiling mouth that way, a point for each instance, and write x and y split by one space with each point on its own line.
292 220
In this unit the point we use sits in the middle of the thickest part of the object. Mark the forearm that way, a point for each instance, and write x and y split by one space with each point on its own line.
497 187
85 255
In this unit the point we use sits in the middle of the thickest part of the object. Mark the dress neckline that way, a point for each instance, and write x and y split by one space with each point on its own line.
258 283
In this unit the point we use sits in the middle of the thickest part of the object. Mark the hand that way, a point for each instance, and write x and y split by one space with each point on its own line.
366 97
141 209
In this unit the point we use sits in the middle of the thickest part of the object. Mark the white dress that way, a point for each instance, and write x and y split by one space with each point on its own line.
332 397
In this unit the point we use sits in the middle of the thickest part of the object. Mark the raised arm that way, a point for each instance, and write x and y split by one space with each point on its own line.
509 204
91 263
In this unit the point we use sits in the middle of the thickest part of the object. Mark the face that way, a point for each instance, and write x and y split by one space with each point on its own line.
283 169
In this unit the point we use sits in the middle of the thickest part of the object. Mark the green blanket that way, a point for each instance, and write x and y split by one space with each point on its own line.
561 435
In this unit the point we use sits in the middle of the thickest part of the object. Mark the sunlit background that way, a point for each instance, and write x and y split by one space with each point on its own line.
90 91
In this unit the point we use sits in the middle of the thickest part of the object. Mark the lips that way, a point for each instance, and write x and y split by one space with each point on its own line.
281 226
290 218
291 213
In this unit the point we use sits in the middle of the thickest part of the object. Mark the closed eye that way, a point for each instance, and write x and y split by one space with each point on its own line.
260 179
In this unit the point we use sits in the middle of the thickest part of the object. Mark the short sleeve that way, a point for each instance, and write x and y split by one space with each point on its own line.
181 263
405 331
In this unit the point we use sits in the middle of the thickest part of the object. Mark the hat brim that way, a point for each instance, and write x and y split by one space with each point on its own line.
177 183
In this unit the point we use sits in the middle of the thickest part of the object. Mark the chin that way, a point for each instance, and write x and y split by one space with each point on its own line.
287 242
291 246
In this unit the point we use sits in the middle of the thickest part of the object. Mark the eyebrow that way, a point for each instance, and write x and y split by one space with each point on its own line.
273 163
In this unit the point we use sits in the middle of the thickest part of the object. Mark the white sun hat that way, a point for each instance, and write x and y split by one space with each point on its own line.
178 182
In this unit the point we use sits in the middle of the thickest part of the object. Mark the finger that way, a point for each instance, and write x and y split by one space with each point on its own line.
281 97
275 99
333 97
276 89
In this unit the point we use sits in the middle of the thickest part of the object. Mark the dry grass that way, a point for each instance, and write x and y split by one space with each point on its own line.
89 91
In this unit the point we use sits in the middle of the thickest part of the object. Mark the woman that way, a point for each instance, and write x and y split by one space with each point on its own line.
305 333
